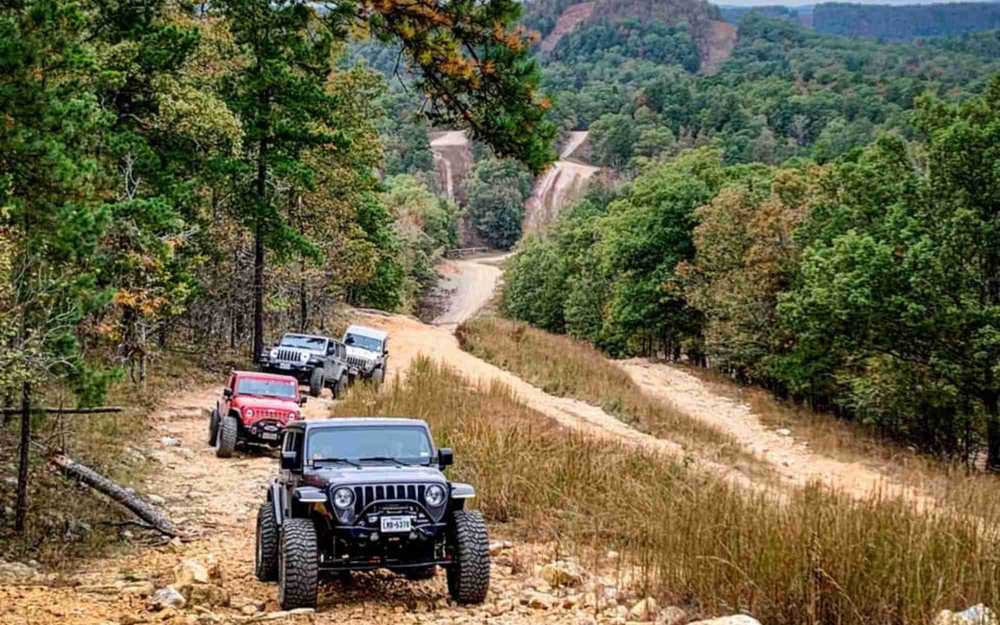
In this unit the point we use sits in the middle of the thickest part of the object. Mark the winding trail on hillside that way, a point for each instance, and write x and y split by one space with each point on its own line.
561 183
471 283
792 460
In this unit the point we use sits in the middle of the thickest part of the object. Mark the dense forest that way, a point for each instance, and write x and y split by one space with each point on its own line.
850 261
907 22
784 92
176 173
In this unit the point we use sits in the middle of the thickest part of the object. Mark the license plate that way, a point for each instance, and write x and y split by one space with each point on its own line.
284 365
397 524
269 436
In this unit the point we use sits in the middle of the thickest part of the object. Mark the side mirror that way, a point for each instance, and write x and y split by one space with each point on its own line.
302 400
289 460
227 393
446 457
385 353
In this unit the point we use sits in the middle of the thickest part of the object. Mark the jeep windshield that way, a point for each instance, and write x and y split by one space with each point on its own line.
364 342
367 444
266 388
312 343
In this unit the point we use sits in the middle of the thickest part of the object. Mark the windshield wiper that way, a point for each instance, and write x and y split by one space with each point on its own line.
385 459
344 460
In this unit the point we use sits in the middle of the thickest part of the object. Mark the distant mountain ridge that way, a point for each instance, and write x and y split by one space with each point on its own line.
889 22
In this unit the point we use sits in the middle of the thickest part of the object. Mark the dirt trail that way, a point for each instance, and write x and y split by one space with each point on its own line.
792 460
563 182
452 159
471 283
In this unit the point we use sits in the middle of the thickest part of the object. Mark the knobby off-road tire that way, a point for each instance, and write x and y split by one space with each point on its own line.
469 572
378 376
340 387
225 440
213 426
298 566
266 556
316 382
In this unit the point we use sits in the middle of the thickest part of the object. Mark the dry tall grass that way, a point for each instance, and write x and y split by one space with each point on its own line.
565 367
818 558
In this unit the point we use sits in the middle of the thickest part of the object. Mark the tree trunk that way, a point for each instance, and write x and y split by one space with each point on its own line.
22 470
303 303
258 295
130 500
992 404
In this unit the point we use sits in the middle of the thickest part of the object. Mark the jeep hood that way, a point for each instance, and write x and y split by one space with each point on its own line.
341 474
364 354
265 403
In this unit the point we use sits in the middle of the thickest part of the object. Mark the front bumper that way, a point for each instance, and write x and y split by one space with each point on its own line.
298 370
364 548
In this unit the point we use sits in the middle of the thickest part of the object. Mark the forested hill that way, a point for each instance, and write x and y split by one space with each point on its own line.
556 19
785 91
904 23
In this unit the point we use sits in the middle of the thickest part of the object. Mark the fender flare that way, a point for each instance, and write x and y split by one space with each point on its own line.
462 491
276 495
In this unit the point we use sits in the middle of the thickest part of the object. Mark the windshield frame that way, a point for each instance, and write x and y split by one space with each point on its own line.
303 344
284 383
415 461
364 342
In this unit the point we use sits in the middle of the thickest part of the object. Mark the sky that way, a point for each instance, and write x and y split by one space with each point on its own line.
794 3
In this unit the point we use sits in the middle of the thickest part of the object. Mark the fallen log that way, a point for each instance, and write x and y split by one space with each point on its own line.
100 410
145 511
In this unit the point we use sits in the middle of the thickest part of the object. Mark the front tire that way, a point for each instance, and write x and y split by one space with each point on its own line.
316 382
266 556
469 572
378 376
213 426
298 568
340 387
225 440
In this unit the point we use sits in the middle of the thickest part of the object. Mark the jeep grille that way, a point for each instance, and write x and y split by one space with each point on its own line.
357 361
269 415
365 495
288 354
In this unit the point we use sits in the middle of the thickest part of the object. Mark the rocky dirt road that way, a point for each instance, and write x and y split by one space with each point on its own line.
215 501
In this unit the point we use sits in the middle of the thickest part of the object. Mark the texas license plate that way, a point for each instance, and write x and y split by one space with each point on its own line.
269 436
397 524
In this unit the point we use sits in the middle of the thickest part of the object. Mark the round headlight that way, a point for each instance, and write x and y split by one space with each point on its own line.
343 498
434 496
304 356
248 412
274 354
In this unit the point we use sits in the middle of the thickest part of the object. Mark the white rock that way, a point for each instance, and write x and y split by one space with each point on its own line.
16 570
783 432
168 597
976 615
190 572
644 610
156 500
169 441
736 619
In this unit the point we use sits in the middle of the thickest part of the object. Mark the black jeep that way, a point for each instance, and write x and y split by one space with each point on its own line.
363 494
314 360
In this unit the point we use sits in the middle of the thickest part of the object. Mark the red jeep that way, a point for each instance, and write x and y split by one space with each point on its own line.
254 409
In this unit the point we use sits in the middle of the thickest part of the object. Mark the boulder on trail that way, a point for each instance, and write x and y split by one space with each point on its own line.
562 573
672 615
190 572
168 597
976 615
